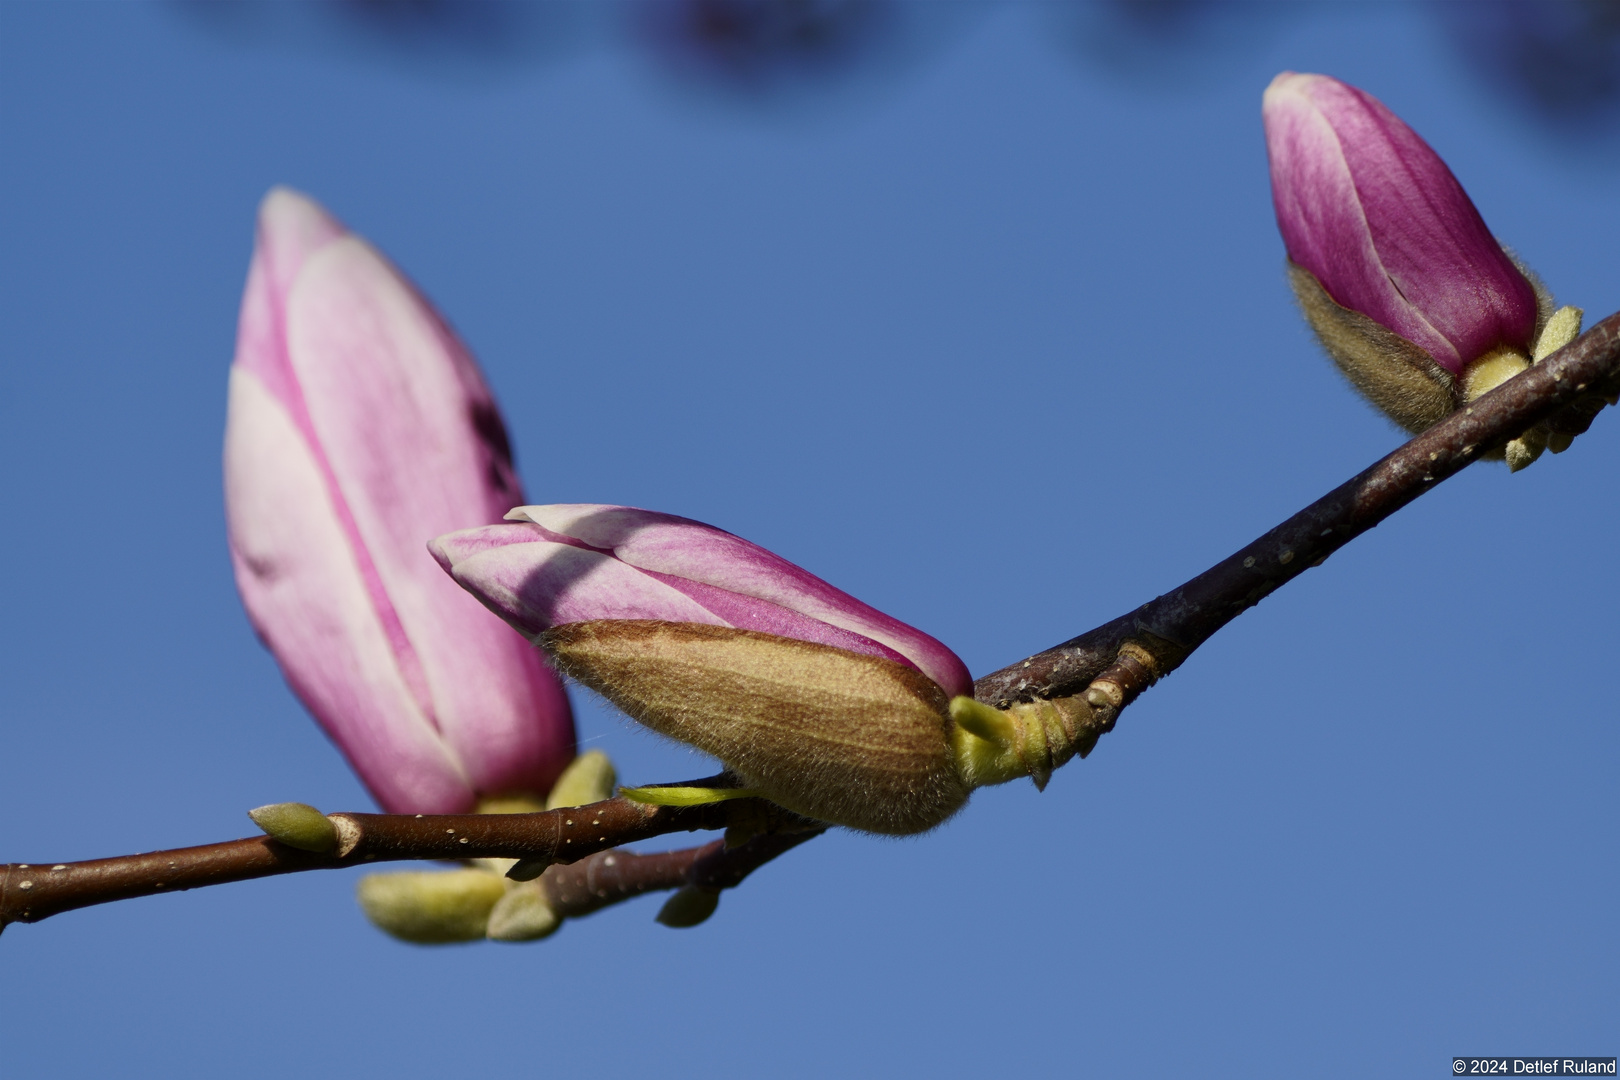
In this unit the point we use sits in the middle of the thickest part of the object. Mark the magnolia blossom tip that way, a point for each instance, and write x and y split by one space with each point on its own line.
287 212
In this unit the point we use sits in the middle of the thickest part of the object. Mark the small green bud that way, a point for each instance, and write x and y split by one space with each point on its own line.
589 778
431 908
988 723
1560 329
679 795
1563 327
523 914
297 825
690 906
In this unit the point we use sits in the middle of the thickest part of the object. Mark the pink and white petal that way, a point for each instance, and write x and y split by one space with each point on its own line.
683 548
1322 220
1373 212
416 449
291 228
299 581
535 584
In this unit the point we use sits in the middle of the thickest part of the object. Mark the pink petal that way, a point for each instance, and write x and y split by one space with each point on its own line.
292 227
1364 204
416 448
300 588
535 584
679 548
405 442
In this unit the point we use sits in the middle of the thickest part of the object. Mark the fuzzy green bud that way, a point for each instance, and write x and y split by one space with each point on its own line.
589 778
297 825
431 908
523 914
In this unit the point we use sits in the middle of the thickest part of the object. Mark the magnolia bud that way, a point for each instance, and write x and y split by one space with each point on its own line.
431 908
359 426
817 702
1418 304
831 734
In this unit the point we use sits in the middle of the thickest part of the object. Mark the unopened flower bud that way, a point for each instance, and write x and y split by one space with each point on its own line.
431 908
815 701
1418 304
297 825
819 702
359 427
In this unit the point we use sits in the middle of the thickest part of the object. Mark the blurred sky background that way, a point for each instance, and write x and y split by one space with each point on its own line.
975 310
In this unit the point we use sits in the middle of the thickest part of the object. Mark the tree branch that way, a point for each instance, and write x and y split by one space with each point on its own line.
1564 391
30 892
610 877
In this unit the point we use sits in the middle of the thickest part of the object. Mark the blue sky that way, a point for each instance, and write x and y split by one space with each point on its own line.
990 331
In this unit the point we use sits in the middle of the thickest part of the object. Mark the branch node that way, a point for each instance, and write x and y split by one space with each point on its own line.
349 834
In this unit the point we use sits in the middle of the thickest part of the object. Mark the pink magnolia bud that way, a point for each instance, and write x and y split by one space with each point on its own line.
359 427
819 702
1408 290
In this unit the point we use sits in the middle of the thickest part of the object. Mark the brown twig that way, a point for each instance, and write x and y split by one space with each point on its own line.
1111 664
610 877
1562 390
30 892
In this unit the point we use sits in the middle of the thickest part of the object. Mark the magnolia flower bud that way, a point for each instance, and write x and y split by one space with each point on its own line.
819 702
359 427
1415 300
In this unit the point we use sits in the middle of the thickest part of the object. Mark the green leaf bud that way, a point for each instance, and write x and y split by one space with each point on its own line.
689 906
523 914
680 795
589 778
297 825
